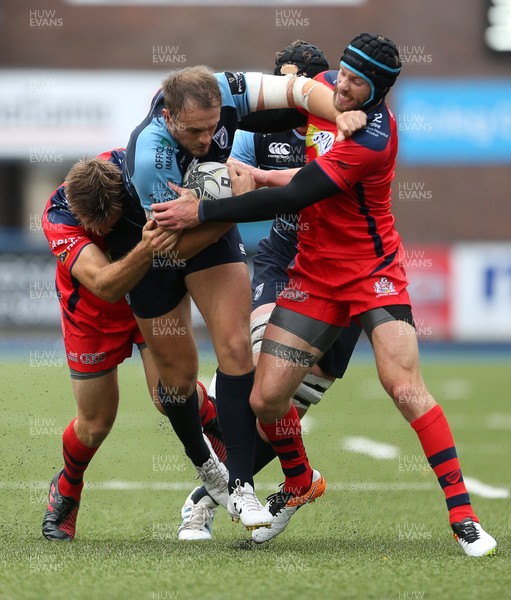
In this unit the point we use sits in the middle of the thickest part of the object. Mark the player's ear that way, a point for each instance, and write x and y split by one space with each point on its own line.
166 115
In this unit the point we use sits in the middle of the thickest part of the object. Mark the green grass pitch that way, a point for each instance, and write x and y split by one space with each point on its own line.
380 532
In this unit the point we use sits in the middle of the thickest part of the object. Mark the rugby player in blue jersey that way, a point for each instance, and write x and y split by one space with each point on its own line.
194 117
268 151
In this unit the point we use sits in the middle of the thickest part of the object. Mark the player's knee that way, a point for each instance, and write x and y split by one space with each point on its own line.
411 397
175 393
267 408
234 353
96 430
177 374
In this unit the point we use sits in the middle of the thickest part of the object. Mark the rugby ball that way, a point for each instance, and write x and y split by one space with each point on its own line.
209 180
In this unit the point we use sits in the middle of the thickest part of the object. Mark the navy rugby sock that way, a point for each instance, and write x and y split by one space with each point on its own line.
237 421
264 454
183 414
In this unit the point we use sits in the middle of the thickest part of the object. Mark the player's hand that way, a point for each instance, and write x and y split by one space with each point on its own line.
260 176
181 213
349 122
156 239
242 180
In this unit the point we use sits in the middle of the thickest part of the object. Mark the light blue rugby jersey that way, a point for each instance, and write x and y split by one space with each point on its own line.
153 157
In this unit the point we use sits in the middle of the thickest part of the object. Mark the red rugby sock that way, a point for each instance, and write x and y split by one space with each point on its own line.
285 436
436 438
76 459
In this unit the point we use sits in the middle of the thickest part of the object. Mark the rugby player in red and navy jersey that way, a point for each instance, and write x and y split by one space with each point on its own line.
98 326
349 267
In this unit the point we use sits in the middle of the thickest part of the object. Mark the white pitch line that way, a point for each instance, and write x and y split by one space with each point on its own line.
363 445
178 486
498 421
308 424
474 486
478 488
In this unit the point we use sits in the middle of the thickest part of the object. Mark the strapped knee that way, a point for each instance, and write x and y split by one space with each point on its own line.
310 391
257 327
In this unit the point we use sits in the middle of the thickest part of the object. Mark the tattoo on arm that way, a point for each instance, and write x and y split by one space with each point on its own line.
288 353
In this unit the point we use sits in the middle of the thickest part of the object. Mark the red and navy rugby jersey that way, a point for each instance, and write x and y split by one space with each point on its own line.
356 223
67 238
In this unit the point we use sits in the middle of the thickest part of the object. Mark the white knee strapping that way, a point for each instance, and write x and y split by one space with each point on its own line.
310 391
257 327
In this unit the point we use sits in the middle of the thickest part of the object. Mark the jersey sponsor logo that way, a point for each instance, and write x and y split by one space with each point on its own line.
71 241
384 287
374 127
258 291
237 83
221 137
294 295
163 157
92 358
279 149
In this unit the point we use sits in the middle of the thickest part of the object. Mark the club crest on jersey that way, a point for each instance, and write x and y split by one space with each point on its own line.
294 295
63 256
384 287
258 291
221 137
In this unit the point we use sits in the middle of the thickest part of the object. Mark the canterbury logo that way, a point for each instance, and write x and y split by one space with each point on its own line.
280 149
453 477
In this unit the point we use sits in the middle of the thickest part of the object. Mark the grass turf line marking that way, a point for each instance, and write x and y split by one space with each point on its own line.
478 488
178 486
363 445
498 421
474 486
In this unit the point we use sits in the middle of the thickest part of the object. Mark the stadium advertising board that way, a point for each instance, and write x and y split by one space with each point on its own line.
481 292
445 121
429 270
70 113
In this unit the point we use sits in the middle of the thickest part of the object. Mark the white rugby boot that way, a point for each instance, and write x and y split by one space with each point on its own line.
473 538
243 505
215 477
197 513
283 505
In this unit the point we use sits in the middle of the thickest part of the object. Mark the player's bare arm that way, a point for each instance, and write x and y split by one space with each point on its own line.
192 242
262 178
270 91
111 280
